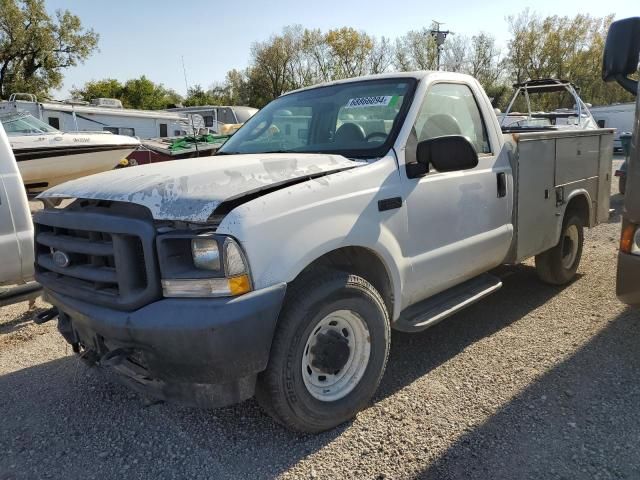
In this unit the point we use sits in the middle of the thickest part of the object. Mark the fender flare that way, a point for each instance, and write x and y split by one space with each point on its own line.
574 194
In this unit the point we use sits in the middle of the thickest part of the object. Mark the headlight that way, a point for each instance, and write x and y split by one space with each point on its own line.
205 253
203 265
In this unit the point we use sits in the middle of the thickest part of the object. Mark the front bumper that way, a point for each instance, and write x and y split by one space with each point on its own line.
200 351
628 281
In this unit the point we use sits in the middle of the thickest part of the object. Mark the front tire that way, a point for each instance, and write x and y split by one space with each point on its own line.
329 352
558 265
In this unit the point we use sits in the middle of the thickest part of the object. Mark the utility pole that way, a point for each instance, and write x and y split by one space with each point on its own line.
439 36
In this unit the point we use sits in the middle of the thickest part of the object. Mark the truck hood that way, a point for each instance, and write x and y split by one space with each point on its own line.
191 189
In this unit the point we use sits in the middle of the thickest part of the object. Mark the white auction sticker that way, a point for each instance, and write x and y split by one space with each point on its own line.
379 101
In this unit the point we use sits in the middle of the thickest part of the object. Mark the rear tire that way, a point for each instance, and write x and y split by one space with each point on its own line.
329 352
558 265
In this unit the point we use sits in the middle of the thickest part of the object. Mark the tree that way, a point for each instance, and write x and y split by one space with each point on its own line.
107 88
35 48
239 91
562 47
455 54
144 94
135 93
416 50
272 64
381 55
351 51
319 55
484 60
196 96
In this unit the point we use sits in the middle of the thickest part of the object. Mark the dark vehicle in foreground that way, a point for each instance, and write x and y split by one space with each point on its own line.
621 171
621 56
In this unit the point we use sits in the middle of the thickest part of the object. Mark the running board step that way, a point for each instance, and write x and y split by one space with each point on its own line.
432 310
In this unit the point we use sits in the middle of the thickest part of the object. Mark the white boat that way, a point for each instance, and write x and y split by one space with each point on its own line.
577 117
47 157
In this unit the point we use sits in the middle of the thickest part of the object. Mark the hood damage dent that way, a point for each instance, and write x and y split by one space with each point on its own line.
231 203
200 190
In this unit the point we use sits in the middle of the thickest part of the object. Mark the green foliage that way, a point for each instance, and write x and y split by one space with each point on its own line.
568 48
416 50
196 95
139 93
540 47
35 48
107 88
144 94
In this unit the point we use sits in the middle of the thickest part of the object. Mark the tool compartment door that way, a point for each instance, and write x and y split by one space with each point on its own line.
604 177
536 200
577 158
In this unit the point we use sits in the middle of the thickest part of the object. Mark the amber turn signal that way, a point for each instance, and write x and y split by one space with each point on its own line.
627 237
239 285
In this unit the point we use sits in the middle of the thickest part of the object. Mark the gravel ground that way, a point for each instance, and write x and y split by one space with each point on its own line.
533 382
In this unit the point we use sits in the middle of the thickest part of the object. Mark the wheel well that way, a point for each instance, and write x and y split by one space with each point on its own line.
359 261
579 205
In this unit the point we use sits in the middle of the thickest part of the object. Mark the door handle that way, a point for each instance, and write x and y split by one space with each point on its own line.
502 184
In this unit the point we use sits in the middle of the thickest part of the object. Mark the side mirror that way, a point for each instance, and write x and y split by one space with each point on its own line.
622 53
447 154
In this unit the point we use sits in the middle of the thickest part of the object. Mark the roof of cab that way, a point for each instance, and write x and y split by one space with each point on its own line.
418 75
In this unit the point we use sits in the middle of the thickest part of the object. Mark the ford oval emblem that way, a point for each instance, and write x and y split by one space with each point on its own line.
61 259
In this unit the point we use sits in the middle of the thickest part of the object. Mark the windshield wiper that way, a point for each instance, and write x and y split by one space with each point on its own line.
261 153
350 157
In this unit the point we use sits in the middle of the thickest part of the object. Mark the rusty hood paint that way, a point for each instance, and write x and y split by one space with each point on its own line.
190 190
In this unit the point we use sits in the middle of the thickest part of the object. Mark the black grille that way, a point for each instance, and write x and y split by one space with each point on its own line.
111 256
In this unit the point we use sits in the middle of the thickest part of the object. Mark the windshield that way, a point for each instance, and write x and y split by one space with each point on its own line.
25 125
356 119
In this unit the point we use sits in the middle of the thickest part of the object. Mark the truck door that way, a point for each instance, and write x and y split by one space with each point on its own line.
459 223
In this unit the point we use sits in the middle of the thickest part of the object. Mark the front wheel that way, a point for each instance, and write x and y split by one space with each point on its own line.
329 352
559 264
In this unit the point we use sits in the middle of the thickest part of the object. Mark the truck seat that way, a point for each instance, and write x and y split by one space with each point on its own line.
349 133
439 125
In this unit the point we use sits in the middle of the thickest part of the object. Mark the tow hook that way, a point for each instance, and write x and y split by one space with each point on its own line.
44 317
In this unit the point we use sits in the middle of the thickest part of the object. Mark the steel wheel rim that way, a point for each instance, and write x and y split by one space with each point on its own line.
570 242
329 387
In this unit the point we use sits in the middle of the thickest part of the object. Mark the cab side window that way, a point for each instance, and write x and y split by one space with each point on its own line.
451 109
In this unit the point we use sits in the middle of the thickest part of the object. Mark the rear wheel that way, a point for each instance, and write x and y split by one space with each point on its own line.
622 184
559 264
329 352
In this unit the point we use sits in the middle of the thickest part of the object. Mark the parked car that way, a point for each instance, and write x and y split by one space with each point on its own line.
336 213
621 54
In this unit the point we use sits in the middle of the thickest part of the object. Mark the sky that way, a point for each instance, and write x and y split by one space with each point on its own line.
150 37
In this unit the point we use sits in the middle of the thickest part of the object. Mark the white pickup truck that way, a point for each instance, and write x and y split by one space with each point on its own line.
279 266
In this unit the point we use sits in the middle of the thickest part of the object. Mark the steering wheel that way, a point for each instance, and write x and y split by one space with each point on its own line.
375 134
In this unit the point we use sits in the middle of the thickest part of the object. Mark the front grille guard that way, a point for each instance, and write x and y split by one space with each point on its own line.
113 257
